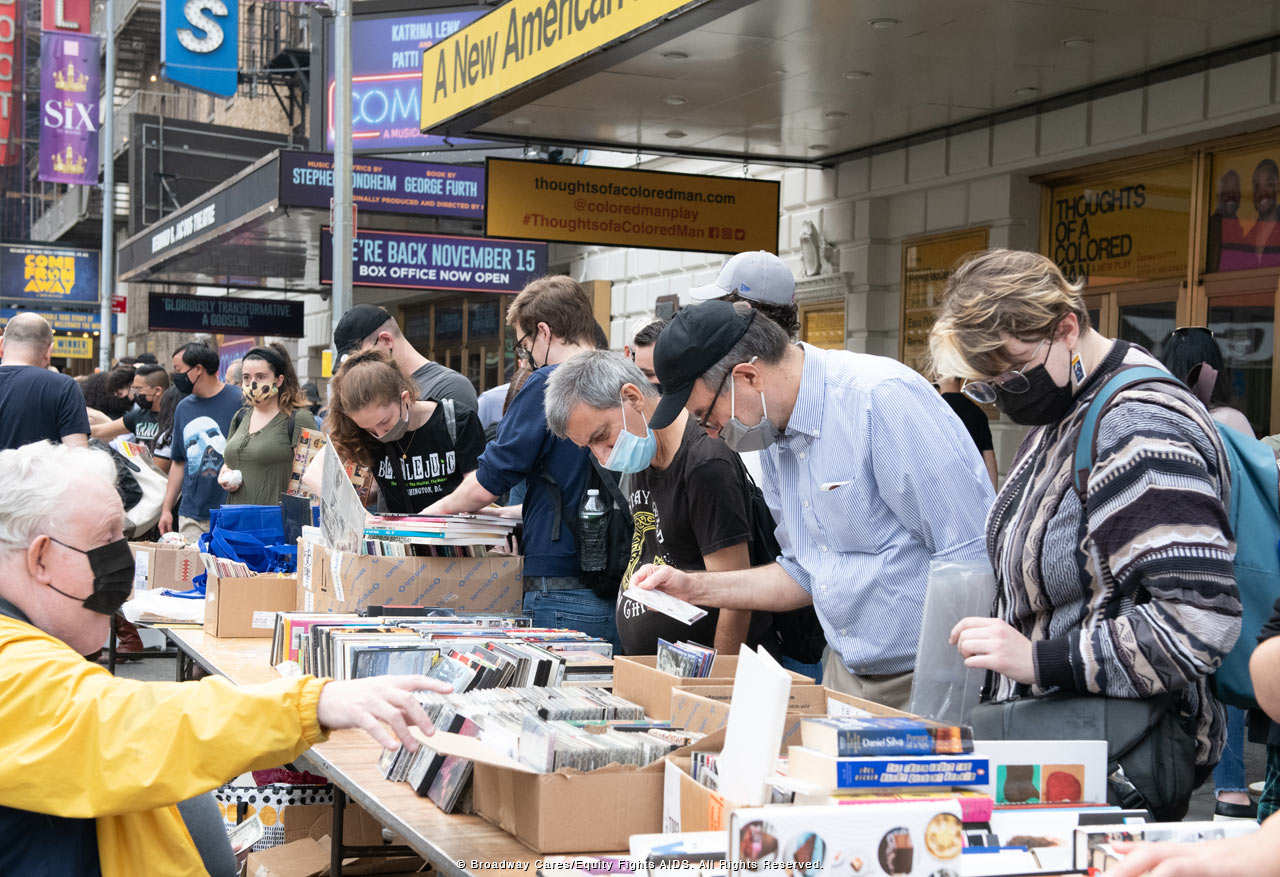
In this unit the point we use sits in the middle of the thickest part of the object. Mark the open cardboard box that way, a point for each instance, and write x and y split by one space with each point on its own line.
688 805
247 607
335 581
638 679
568 811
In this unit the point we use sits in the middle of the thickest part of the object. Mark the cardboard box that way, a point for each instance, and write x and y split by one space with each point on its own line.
164 566
247 607
638 679
333 581
688 805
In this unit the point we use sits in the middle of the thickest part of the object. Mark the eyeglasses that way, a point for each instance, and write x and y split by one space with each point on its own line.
701 419
521 352
1014 381
1182 329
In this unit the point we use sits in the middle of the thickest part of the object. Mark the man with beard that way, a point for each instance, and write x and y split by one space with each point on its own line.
1263 239
1227 248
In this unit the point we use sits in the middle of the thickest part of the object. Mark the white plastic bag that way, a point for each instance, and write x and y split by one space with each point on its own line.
943 687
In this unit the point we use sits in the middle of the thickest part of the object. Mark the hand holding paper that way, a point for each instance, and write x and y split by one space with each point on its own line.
667 579
666 604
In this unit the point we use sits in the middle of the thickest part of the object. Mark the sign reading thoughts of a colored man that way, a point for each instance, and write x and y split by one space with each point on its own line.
1130 226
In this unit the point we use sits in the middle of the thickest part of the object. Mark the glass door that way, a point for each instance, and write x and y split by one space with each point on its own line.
1141 313
1241 313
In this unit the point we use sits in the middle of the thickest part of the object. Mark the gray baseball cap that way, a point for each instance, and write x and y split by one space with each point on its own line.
757 276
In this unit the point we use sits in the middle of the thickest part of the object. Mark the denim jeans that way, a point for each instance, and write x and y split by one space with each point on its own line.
574 608
1228 776
813 671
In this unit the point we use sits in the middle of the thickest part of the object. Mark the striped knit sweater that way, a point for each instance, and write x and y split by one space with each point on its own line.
1134 593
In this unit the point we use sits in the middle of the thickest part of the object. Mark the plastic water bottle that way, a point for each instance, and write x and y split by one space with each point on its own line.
593 553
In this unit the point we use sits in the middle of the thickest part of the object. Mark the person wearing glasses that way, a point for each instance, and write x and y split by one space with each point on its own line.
869 476
1129 590
553 321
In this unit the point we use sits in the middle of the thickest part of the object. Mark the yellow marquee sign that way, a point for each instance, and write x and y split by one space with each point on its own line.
71 347
521 41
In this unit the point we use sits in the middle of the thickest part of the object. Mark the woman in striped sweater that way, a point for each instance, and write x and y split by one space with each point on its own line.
1128 591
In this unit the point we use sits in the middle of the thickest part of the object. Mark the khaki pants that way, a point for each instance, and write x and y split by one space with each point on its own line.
891 689
192 528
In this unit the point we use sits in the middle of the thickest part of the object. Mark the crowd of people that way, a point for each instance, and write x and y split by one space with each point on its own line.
810 514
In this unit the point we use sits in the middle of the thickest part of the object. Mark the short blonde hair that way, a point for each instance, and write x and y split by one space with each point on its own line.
996 296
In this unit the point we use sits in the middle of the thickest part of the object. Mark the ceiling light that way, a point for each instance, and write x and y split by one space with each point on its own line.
676 135
884 23
676 56
1077 43
818 147
835 114
856 74
1026 91
675 100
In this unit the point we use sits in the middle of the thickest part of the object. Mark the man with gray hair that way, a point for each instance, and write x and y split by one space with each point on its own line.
688 492
868 473
93 768
35 403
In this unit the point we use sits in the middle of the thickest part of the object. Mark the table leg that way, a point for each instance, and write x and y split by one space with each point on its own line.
335 837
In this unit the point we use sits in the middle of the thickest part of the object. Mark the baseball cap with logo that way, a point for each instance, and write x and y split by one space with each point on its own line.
356 325
694 341
757 276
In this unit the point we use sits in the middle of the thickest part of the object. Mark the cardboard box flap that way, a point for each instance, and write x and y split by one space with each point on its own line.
472 749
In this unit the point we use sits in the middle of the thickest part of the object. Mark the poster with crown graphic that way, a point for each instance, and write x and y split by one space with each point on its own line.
69 92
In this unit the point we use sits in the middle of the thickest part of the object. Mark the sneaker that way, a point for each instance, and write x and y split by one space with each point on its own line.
1227 812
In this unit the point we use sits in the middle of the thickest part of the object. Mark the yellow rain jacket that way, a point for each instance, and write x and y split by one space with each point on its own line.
77 742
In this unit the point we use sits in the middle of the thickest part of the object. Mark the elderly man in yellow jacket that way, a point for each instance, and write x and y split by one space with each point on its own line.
91 766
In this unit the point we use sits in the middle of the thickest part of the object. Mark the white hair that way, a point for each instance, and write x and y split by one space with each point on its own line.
41 483
594 378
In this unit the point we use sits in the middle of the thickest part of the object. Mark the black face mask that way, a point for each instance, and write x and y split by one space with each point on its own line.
184 383
1044 402
112 566
142 401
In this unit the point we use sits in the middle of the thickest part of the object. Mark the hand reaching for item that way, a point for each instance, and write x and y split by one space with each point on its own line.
667 579
1253 855
373 704
991 644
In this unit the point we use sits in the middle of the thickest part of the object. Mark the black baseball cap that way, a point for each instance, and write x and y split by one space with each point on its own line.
356 325
696 339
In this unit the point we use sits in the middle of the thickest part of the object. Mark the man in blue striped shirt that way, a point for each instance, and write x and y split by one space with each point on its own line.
868 472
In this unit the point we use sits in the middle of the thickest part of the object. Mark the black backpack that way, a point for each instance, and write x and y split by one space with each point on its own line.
618 524
796 634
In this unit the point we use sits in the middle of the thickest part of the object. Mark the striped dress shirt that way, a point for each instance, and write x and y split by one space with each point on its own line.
904 485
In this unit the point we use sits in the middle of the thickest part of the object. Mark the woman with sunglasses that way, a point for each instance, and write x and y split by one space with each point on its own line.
1126 591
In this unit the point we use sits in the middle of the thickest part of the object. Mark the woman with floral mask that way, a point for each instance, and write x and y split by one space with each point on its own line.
1115 574
419 449
264 434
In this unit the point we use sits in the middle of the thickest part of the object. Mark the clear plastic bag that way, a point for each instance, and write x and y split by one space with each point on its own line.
943 687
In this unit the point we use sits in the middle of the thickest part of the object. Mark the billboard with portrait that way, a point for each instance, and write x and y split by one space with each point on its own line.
1244 213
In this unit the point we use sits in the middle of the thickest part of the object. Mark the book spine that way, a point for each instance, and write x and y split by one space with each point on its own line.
859 743
873 773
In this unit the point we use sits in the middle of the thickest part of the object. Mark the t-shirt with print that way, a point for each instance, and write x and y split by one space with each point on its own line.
37 405
200 428
696 506
144 424
425 465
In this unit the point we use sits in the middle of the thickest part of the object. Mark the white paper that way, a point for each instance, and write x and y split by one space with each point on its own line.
341 515
263 620
308 601
668 605
307 567
840 708
753 735
671 797
141 566
335 573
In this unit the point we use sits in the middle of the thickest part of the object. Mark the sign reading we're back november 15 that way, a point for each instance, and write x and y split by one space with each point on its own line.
33 272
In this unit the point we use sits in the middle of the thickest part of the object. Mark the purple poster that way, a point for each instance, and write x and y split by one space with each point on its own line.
383 185
69 91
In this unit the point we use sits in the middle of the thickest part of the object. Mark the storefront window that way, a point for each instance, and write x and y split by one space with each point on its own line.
1148 325
1243 326
448 324
1131 226
1244 212
927 263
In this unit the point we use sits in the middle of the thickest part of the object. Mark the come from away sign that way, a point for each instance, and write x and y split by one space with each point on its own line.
425 261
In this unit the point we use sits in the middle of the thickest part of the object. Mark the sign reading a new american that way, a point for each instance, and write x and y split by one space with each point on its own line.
430 261
629 208
523 40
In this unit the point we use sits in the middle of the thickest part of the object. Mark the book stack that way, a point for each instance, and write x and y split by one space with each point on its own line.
685 659
226 569
860 760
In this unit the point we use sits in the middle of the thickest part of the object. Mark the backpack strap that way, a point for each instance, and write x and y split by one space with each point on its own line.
450 420
236 420
611 481
1086 442
292 425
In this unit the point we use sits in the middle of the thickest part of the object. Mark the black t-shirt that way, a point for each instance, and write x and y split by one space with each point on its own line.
38 405
696 506
425 465
974 419
144 424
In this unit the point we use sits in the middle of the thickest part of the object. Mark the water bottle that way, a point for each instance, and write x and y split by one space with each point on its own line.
593 552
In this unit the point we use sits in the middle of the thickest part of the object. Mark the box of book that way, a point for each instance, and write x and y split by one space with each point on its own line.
336 581
900 839
1093 848
638 679
164 566
246 606
687 804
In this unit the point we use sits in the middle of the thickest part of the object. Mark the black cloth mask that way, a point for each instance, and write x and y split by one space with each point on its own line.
112 566
142 401
1044 402
184 383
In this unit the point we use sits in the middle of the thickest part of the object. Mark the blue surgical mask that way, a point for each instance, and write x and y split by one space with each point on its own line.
631 453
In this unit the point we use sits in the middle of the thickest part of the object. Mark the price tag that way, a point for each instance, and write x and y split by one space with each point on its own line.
264 621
